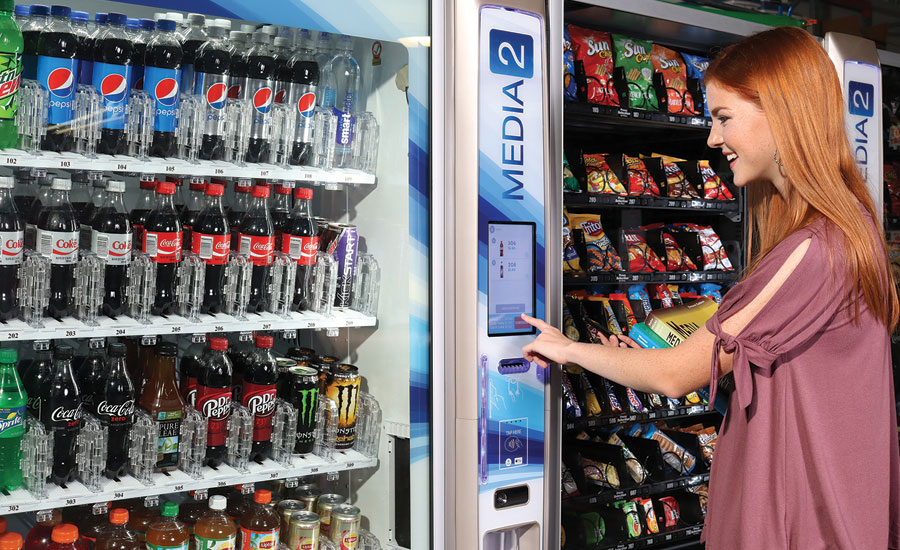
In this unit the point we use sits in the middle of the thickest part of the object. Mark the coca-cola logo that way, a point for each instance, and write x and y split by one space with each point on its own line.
121 409
168 243
14 245
216 407
123 245
261 403
262 246
221 247
62 414
67 244
310 247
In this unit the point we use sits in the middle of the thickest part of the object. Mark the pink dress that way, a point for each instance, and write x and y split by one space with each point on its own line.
807 456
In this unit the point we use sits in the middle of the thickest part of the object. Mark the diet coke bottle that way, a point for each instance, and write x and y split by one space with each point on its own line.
257 242
111 241
61 414
57 239
301 243
12 237
162 242
260 381
212 241
214 398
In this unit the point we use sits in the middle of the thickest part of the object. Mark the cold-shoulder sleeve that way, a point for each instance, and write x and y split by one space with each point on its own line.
805 303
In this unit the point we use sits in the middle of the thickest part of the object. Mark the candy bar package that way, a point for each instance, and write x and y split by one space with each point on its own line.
675 456
571 261
712 290
660 291
600 177
604 310
641 258
573 407
714 256
594 50
640 182
633 57
635 468
713 186
669 64
569 328
677 185
640 301
569 488
600 473
570 182
578 376
633 402
619 302
676 295
599 252
614 405
696 68
570 87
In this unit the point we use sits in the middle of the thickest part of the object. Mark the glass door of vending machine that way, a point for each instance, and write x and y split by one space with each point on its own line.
217 276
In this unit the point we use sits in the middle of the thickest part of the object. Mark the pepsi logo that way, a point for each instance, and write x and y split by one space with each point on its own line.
307 104
166 92
61 82
216 95
262 100
280 95
114 87
234 92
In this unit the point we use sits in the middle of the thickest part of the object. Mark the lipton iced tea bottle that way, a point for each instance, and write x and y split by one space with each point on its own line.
167 533
116 535
215 530
260 524
161 399
65 537
140 516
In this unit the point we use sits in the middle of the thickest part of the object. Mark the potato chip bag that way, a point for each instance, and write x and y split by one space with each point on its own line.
676 259
677 185
640 182
714 256
713 187
669 64
571 261
601 256
641 258
633 57
594 50
570 182
601 178
696 68
570 87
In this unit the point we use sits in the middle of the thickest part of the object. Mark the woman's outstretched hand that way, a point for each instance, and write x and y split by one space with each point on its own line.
551 345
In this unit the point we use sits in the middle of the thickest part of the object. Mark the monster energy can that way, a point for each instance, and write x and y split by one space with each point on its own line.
304 396
324 364
343 389
303 533
301 353
345 526
326 504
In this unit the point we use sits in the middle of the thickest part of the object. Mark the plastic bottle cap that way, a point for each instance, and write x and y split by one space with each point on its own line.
264 341
218 344
217 502
248 28
197 186
242 186
115 186
117 350
100 17
148 24
157 15
7 182
165 25
224 23
11 541
282 41
167 349
118 516
215 190
196 19
165 188
261 496
282 189
132 23
80 16
63 351
116 18
303 193
40 9
8 355
22 9
62 184
64 533
61 11
175 16
261 192
271 30
170 509
259 37
215 31
237 36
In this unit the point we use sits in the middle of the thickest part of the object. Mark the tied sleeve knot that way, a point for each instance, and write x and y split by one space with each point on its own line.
747 355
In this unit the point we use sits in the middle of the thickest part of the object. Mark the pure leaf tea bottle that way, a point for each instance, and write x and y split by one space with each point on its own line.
164 403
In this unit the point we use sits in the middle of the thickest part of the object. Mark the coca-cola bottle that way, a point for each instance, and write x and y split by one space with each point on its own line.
37 375
212 241
260 382
90 371
111 236
301 243
12 239
61 414
239 206
214 398
192 207
57 239
41 198
162 242
257 242
114 406
281 210
145 204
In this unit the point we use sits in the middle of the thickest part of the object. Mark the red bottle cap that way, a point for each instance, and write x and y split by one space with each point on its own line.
148 184
165 188
197 186
219 344
263 341
220 181
261 192
11 541
64 533
303 193
242 186
262 496
118 516
215 190
282 190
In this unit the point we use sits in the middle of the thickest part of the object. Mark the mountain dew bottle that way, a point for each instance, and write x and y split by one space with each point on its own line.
12 421
11 47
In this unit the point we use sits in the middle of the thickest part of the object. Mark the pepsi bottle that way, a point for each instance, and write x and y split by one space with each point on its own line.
304 78
57 239
113 405
12 239
192 208
85 53
301 242
57 70
214 394
61 414
162 242
193 37
211 74
211 240
257 242
31 33
113 53
282 56
261 92
139 48
237 80
162 74
111 241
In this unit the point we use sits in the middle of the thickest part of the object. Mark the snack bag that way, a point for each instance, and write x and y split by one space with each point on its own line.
677 186
641 258
601 256
714 256
571 261
594 50
892 190
661 292
600 177
633 56
612 324
622 298
570 182
713 187
570 87
635 468
640 182
669 64
676 259
696 68
600 473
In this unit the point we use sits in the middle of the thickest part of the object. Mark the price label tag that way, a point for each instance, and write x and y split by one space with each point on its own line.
291 482
289 334
12 161
148 340
198 338
245 337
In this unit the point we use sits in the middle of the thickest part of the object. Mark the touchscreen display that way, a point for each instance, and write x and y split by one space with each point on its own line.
510 277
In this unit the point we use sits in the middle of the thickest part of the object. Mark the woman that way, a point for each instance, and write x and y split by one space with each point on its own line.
807 455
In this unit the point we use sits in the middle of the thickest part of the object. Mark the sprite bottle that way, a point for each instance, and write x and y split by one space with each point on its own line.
12 421
11 47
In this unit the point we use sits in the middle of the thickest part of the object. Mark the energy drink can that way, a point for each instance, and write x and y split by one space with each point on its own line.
301 354
303 533
343 389
310 498
324 364
286 509
284 365
326 504
304 396
345 526
341 242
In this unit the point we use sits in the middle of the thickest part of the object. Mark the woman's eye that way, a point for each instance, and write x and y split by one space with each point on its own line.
723 119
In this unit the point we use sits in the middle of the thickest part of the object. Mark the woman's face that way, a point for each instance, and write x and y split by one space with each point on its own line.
740 129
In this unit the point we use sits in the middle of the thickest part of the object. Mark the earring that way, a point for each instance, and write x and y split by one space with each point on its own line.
777 160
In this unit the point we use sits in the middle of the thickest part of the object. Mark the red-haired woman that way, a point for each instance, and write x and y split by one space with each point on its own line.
807 455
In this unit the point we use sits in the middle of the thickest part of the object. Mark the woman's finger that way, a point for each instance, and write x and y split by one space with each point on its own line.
535 322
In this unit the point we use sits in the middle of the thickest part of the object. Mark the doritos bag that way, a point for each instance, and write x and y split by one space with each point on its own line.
601 256
713 187
601 178
570 87
633 56
594 50
640 182
670 65
696 68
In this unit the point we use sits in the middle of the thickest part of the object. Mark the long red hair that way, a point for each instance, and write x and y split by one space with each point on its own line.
787 73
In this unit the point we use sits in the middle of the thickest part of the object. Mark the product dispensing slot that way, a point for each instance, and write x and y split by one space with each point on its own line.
510 496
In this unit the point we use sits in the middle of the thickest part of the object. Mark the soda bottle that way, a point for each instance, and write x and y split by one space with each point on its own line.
57 239
211 74
61 414
113 53
117 536
113 399
89 373
192 208
98 195
215 530
214 398
85 52
162 242
304 81
21 13
260 524
145 204
65 537
24 191
301 243
11 48
281 210
133 30
167 533
161 399
111 238
37 375
92 521
240 357
13 402
57 72
260 90
257 242
260 384
31 32
282 55
189 372
193 37
140 516
341 80
41 199
162 74
38 538
80 196
211 240
12 240
239 207
10 541
237 79
140 51
180 25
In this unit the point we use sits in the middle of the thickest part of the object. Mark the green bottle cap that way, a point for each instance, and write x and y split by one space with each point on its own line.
8 355
170 509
